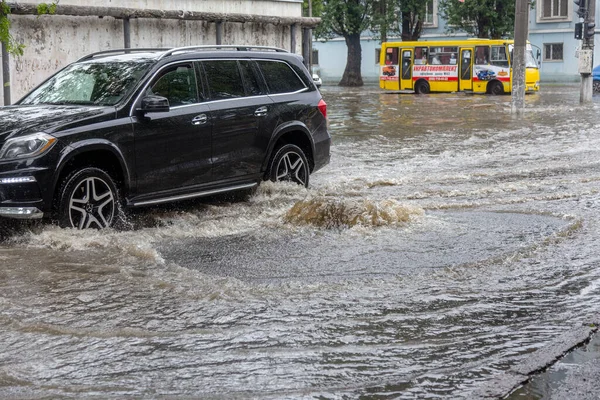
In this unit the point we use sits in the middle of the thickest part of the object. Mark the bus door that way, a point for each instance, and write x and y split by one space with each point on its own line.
465 79
406 81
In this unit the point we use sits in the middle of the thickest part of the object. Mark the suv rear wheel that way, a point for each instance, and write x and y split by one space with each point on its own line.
88 198
289 164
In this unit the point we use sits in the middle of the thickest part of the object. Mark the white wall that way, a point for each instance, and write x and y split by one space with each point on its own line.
333 55
53 41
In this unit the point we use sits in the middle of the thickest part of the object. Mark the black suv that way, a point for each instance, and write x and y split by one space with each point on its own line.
137 127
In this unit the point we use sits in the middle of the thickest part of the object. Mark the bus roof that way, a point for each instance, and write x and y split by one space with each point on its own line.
461 42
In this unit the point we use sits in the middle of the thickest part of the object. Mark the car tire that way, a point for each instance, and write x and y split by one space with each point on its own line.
88 198
422 87
289 164
496 88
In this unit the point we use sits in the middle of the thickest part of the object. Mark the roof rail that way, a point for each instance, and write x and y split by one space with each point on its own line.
116 51
218 47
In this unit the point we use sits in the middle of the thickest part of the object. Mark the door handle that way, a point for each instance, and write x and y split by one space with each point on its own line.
200 119
261 111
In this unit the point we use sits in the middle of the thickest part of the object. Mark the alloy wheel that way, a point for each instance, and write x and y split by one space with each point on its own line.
291 167
92 204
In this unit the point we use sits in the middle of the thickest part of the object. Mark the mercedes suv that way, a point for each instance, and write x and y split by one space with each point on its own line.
136 127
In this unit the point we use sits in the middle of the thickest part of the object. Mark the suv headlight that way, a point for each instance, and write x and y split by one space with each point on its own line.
26 146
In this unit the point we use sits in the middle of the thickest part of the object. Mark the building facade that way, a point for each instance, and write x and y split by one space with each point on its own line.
551 31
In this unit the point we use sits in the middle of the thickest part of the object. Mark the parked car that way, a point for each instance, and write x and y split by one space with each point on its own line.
596 79
131 128
317 80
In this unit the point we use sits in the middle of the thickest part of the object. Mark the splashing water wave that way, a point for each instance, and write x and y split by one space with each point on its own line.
336 213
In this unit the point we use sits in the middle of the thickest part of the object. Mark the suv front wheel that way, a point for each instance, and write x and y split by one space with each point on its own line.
88 198
289 164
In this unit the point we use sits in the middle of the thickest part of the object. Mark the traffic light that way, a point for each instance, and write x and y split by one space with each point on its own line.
588 30
581 7
579 30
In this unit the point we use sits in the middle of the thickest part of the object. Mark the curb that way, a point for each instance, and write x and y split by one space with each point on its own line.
502 385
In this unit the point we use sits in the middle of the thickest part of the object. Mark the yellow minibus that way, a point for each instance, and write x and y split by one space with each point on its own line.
472 65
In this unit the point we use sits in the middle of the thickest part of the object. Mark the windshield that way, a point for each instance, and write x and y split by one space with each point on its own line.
530 61
98 83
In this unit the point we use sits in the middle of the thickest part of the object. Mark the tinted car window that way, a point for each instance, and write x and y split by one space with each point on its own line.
102 83
280 77
224 79
252 85
177 84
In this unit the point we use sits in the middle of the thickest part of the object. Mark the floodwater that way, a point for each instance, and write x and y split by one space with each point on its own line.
445 242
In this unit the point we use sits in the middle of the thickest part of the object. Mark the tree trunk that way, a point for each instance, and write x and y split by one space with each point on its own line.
411 27
406 27
352 73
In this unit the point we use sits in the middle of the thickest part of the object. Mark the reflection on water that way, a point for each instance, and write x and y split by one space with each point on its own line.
444 243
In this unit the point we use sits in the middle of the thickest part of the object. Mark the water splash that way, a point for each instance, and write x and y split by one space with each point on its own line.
339 213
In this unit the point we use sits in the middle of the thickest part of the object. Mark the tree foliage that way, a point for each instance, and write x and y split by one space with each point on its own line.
492 19
6 37
347 19
394 17
344 17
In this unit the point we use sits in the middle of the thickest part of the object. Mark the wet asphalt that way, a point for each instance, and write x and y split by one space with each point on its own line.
453 256
559 374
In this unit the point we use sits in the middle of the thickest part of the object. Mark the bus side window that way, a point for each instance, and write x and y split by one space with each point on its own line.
482 55
499 56
391 56
420 55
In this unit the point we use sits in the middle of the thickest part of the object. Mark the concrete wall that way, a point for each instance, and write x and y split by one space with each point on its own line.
280 8
54 41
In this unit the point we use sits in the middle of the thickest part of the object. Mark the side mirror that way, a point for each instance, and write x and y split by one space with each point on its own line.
155 104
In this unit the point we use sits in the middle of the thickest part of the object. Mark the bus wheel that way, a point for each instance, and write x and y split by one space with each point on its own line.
496 88
422 87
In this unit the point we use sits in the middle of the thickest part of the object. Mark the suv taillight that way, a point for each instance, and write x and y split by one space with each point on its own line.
322 107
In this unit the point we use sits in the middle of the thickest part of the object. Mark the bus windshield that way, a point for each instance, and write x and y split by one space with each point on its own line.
530 61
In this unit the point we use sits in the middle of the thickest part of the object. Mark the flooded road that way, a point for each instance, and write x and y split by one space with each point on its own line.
445 242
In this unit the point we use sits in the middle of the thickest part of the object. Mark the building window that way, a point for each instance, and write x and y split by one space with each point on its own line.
555 8
315 57
377 55
430 13
553 51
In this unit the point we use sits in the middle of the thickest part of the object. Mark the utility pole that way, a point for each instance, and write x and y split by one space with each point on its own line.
584 31
521 32
310 55
6 74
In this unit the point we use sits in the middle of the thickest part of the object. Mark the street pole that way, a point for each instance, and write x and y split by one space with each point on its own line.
586 55
6 74
518 62
310 57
